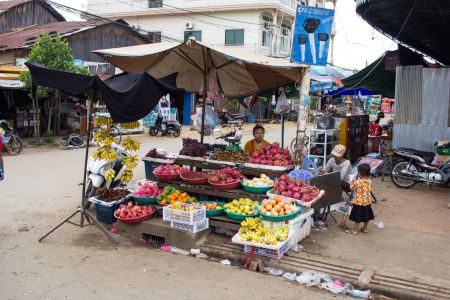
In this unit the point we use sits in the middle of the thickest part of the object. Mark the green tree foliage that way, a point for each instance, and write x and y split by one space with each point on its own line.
54 53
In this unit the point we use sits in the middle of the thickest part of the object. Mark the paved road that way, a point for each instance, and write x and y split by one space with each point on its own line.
41 188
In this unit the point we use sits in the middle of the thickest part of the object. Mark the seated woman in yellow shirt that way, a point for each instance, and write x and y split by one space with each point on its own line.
258 142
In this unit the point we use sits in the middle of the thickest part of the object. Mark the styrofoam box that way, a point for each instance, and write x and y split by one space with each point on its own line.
300 227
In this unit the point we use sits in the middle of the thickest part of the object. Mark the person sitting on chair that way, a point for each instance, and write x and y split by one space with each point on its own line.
258 142
339 164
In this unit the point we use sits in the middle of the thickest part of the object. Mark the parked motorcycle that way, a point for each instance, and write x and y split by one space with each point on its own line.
233 138
165 127
97 168
231 119
416 166
12 138
376 128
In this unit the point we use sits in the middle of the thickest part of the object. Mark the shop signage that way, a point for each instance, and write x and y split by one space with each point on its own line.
321 86
312 34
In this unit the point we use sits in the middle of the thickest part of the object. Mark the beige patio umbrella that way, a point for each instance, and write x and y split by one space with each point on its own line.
239 73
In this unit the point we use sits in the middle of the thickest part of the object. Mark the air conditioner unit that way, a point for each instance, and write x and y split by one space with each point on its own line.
268 25
189 25
285 31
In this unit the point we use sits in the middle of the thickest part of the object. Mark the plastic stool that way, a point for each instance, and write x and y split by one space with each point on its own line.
300 175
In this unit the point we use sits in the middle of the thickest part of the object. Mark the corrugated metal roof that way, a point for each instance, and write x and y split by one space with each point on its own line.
26 37
6 5
11 84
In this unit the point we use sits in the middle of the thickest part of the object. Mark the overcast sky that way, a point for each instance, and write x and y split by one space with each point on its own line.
356 43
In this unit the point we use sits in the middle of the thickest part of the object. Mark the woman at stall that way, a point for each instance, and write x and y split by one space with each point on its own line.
258 142
339 164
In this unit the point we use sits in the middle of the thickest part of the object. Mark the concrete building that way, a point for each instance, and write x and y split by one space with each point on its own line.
261 26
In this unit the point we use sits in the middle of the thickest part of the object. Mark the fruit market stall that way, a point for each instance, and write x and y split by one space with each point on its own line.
198 203
272 160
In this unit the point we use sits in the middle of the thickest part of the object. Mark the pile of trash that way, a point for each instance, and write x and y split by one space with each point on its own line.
322 281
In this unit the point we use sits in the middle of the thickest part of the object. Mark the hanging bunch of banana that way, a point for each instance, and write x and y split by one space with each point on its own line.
130 144
109 175
105 150
100 122
131 161
130 125
126 176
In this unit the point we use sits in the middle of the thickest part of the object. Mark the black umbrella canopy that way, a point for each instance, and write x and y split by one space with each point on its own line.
427 28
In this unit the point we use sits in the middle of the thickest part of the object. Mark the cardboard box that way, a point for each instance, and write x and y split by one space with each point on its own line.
442 158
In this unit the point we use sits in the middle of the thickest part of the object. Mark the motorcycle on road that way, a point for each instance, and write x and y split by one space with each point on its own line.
12 138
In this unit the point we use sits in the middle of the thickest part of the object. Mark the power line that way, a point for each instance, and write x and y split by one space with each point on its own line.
99 20
134 4
385 53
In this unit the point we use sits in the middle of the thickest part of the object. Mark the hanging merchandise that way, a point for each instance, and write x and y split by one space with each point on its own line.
282 106
211 119
213 89
106 151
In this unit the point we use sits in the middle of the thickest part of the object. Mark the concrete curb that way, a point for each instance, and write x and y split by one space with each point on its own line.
384 284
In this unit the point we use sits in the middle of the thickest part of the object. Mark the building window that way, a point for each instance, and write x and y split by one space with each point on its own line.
234 37
284 43
155 3
267 19
267 38
283 25
197 35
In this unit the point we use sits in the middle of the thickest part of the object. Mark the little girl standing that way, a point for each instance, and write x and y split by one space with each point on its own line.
362 199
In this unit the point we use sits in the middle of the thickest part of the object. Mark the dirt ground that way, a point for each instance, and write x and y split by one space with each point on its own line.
41 188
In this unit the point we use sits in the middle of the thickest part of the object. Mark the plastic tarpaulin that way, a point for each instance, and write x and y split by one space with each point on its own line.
128 97
374 77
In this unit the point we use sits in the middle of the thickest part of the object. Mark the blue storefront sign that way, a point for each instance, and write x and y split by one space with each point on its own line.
312 34
321 86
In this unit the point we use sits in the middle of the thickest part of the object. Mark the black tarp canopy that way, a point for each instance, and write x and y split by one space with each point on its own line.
128 97
427 28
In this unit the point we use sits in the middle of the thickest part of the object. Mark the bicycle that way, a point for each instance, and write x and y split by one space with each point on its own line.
77 140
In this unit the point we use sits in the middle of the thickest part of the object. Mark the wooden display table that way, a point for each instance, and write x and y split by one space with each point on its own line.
209 192
216 165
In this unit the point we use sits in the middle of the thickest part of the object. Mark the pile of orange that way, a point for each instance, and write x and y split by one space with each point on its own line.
180 197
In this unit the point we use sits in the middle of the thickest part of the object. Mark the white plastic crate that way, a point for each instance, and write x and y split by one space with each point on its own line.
194 228
195 214
272 253
299 228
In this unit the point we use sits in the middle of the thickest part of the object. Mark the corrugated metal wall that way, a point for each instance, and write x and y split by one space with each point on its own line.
419 123
408 88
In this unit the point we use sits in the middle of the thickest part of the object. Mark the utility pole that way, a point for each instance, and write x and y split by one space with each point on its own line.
300 149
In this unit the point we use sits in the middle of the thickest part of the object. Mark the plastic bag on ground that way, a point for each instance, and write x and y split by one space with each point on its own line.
274 272
289 276
331 287
359 294
311 278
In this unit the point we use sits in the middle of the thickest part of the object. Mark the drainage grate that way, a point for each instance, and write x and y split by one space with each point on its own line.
154 239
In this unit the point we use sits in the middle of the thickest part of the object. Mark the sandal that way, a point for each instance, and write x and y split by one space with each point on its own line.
343 227
365 230
349 231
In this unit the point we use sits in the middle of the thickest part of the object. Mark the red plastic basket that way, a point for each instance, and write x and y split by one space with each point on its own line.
194 178
137 220
162 177
228 186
